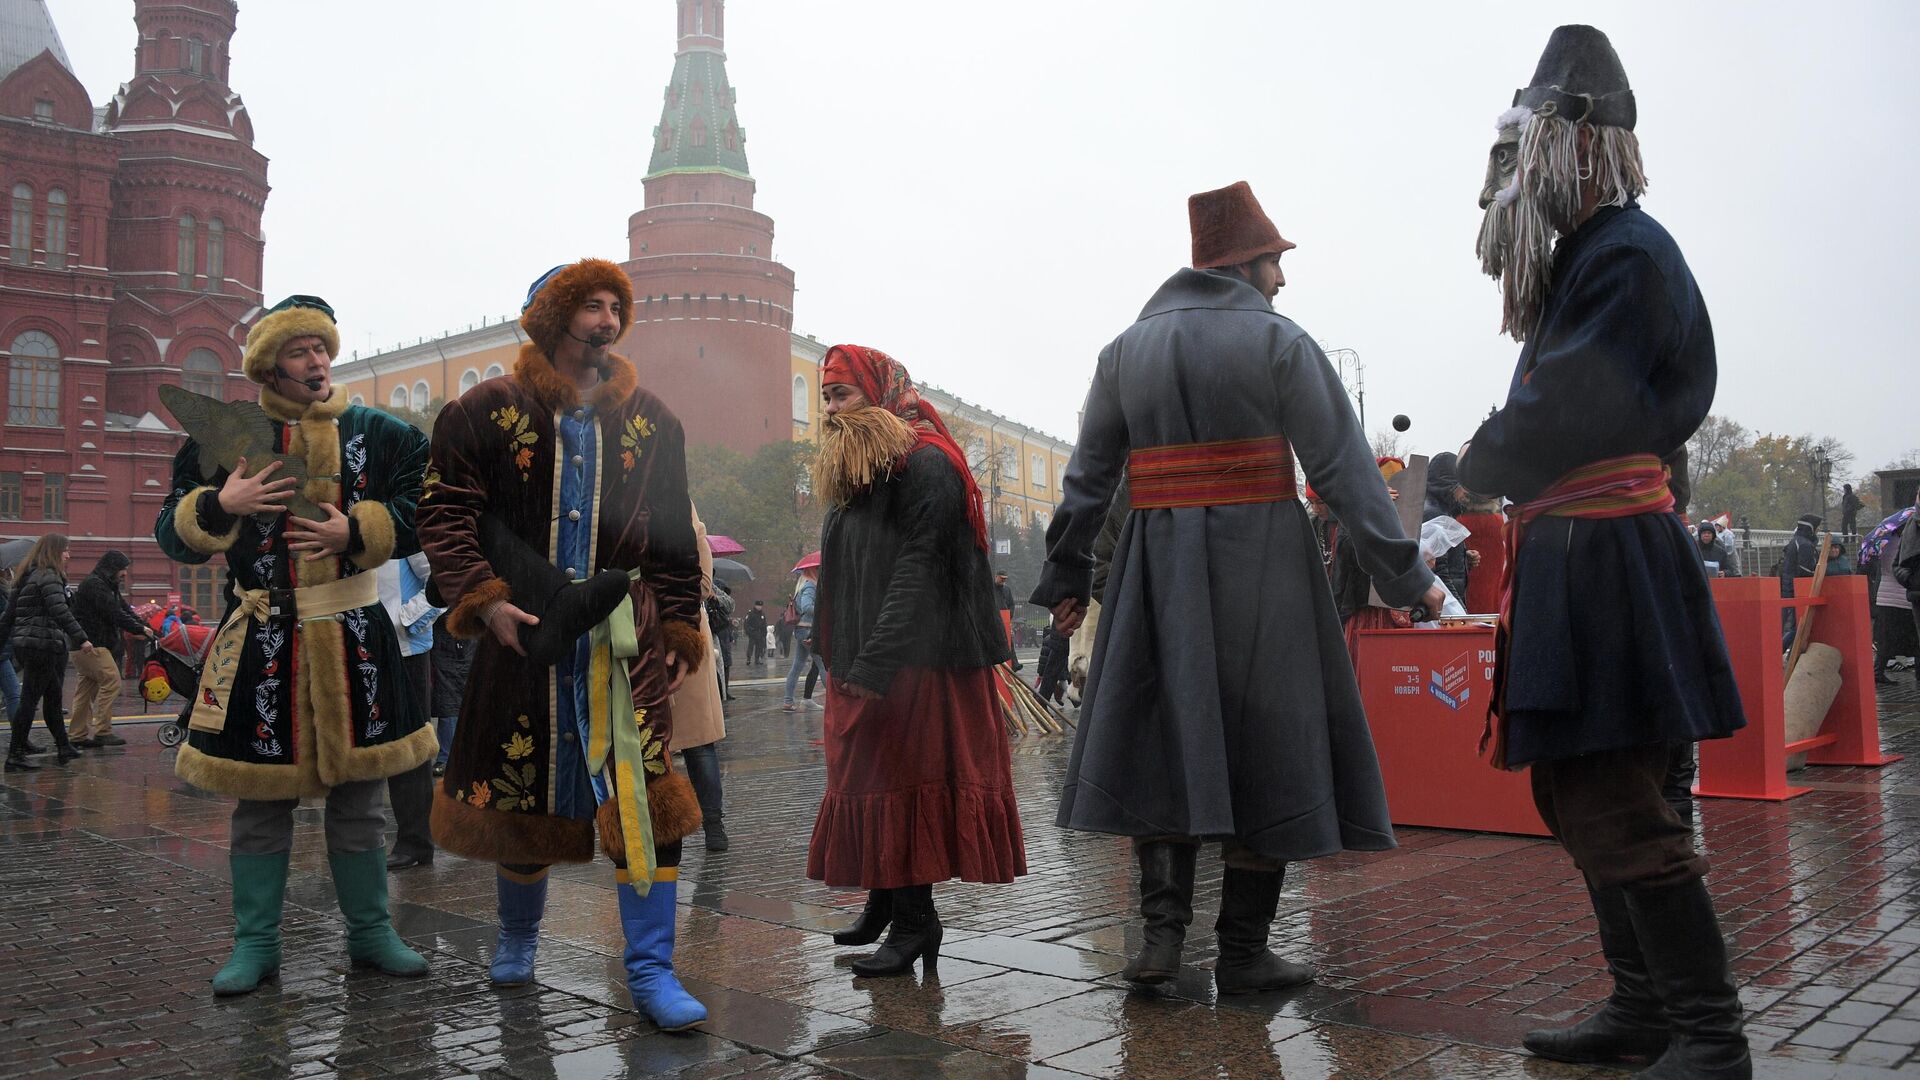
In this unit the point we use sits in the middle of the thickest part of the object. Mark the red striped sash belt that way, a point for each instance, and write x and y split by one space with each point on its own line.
1228 473
1616 487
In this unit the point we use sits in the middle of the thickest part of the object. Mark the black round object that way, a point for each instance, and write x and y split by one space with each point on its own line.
1401 423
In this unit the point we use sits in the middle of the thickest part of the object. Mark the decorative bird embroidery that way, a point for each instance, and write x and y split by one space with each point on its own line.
230 430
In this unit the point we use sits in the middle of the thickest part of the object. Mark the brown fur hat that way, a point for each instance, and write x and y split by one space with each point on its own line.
1229 228
294 317
558 293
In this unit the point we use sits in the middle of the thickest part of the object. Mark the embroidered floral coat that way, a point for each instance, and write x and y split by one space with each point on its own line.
323 702
495 450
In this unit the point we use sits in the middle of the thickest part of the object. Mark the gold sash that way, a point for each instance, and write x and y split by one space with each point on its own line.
223 659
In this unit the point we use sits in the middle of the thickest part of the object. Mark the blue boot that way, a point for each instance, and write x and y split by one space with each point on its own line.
648 922
521 905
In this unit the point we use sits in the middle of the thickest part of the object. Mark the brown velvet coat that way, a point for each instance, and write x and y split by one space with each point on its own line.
494 450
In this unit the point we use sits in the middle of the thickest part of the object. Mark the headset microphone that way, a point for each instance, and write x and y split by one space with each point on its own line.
597 341
315 384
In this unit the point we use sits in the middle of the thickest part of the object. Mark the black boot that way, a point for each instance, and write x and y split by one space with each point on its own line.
1166 903
915 935
1686 958
17 761
873 921
1632 1023
1248 900
566 610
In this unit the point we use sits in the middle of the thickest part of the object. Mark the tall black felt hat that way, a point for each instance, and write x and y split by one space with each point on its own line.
1580 79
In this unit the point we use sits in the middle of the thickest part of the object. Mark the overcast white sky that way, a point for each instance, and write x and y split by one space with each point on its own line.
990 191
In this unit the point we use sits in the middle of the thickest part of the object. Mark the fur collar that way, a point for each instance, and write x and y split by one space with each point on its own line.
288 411
534 372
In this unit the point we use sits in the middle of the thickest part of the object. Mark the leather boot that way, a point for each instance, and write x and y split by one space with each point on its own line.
360 885
1166 904
259 894
1686 958
648 922
915 935
1248 901
521 905
872 922
566 610
1632 1023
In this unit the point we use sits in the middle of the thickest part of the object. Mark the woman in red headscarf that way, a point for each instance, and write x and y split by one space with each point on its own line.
919 783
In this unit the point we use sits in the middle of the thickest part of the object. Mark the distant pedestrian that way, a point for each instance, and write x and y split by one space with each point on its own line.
1850 505
452 659
1838 565
720 623
801 610
1797 560
1717 556
699 718
755 627
41 628
1003 595
783 633
104 614
9 679
1894 632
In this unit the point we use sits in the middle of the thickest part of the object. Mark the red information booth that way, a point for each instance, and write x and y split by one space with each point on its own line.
1425 692
1753 763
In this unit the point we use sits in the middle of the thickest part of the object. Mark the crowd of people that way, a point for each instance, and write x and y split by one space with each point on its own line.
514 628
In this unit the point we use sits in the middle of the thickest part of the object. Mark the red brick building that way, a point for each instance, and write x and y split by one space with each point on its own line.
131 258
714 311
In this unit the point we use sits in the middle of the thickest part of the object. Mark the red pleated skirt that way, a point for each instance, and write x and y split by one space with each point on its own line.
919 786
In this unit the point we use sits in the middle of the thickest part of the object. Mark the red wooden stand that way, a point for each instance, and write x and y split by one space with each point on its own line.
1425 693
1753 763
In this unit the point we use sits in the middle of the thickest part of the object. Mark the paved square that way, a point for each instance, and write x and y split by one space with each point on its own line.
1433 958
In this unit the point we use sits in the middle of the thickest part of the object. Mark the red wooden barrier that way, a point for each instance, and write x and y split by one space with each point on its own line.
1425 693
1753 763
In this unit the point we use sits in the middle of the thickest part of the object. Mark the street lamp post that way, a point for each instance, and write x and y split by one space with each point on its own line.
1822 470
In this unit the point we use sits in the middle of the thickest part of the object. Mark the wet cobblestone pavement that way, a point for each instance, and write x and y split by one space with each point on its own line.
1432 958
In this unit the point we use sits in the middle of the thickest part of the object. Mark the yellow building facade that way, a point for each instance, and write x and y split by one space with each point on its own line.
1020 468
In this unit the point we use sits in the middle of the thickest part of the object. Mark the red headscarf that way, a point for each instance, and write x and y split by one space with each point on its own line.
884 382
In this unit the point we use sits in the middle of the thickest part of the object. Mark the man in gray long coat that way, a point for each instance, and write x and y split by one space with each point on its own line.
1220 704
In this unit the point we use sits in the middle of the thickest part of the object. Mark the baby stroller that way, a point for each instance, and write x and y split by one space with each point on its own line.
174 668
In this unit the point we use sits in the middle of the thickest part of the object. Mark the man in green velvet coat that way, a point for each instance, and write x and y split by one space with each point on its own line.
303 693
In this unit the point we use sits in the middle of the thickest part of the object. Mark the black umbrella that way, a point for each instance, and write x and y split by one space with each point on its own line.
730 571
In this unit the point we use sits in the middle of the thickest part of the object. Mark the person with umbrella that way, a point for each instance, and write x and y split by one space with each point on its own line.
800 617
919 781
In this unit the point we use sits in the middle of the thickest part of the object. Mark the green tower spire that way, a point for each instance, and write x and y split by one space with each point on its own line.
699 131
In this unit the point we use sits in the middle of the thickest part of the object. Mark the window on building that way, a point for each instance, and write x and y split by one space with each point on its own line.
666 137
802 400
1010 515
33 381
421 394
216 253
184 260
697 135
397 399
469 379
53 498
43 110
732 136
1009 466
9 496
357 400
56 229
21 235
494 371
1060 476
196 56
1037 468
203 373
200 588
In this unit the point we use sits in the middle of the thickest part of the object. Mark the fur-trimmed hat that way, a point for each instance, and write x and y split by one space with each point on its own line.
1229 228
297 316
558 293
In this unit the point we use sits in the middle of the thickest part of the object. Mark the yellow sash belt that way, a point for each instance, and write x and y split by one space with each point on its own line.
613 736
223 659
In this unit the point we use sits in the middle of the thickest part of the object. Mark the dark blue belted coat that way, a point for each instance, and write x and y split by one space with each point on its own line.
1615 639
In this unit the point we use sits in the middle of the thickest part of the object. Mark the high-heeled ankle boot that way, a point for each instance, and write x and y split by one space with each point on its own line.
915 935
873 920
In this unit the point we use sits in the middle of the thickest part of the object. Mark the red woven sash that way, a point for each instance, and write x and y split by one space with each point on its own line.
1616 487
1227 473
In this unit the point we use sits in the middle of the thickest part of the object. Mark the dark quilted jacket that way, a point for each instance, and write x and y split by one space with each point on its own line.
39 618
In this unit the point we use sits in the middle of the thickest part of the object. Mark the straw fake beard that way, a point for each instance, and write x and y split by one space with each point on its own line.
857 448
1518 231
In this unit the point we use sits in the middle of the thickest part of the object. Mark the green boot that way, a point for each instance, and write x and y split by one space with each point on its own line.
259 889
360 883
